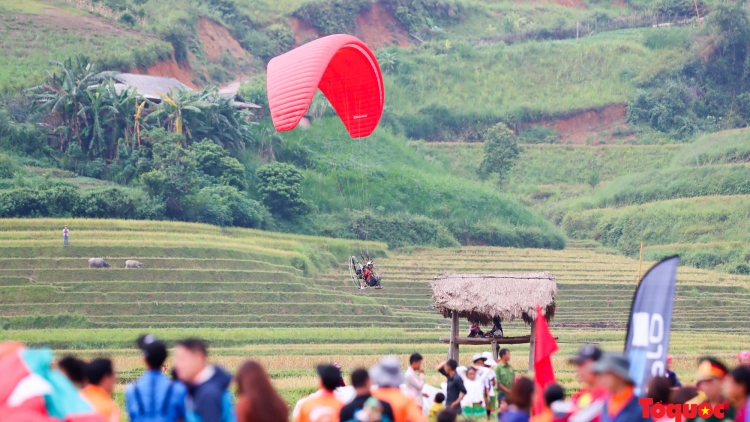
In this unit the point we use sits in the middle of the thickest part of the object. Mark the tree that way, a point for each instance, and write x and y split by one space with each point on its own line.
500 152
280 185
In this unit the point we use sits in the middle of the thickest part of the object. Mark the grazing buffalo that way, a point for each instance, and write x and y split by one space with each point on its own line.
98 263
132 263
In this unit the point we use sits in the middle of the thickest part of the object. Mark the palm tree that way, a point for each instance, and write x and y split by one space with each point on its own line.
63 96
97 114
179 107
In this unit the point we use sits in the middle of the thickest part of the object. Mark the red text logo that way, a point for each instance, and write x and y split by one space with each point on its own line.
680 411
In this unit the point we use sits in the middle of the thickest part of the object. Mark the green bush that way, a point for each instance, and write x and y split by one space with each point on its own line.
58 201
22 138
507 236
415 14
114 202
332 16
8 167
538 135
254 91
223 206
500 151
280 186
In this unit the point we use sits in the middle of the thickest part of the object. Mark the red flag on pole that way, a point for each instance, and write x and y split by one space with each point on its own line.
544 347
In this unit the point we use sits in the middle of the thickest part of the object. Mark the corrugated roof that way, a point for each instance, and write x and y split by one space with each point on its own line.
150 86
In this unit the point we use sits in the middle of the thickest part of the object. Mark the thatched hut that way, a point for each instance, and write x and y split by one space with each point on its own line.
481 297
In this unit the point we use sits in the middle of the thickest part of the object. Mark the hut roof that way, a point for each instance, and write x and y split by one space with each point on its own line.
149 86
484 296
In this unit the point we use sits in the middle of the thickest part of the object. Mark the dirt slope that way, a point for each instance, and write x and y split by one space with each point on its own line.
217 40
183 73
375 26
594 126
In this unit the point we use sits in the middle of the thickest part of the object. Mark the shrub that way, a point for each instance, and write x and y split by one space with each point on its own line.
58 201
7 167
500 151
280 186
223 206
538 135
414 14
110 202
255 92
332 16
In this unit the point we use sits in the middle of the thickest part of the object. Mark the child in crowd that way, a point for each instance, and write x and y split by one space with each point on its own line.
474 401
437 407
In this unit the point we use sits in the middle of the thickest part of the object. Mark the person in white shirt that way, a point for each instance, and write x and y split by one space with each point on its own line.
414 378
491 381
473 403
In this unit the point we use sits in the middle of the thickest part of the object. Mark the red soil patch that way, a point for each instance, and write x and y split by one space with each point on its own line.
171 69
378 28
567 3
303 31
217 40
590 126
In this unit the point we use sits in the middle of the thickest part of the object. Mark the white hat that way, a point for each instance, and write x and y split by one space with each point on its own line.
489 362
477 356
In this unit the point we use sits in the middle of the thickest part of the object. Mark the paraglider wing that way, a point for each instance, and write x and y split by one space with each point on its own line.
344 69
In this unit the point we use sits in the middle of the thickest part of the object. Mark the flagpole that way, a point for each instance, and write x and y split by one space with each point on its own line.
640 262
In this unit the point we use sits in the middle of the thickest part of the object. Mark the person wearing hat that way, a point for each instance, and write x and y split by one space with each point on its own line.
388 377
710 376
674 380
589 400
622 404
153 397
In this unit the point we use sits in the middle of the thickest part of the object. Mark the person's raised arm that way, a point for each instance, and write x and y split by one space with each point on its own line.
441 365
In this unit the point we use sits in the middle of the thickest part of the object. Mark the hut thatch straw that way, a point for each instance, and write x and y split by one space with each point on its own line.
484 296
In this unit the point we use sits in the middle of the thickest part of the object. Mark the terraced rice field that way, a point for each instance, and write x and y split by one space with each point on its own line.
288 301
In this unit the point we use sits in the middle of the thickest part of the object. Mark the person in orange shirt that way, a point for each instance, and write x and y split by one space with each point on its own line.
622 404
321 406
388 377
101 379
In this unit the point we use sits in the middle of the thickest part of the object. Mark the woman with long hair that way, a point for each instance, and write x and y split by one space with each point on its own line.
258 401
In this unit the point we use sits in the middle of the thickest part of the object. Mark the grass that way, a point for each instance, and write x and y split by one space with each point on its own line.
29 42
521 80
380 173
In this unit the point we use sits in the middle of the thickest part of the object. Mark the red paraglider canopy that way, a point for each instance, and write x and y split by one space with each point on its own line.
344 69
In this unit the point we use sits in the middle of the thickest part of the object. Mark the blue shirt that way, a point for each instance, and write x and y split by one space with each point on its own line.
147 401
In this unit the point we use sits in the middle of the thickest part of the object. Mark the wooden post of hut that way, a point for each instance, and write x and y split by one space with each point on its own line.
481 297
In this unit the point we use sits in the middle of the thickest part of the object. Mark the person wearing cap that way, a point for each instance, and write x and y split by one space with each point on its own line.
154 397
321 406
710 376
622 404
388 377
455 385
505 375
589 400
674 380
414 378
